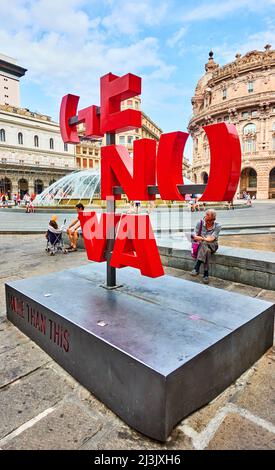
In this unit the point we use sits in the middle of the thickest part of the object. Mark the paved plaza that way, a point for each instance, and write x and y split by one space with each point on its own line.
260 215
42 407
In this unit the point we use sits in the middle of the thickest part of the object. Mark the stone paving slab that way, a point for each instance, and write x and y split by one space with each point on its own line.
26 398
20 361
10 337
67 427
121 437
259 395
238 433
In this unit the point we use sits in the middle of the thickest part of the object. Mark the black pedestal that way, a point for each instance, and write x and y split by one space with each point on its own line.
154 350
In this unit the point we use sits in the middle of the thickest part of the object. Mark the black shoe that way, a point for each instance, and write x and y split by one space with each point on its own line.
205 280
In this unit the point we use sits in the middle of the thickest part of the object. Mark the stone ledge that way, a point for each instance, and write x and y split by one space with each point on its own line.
252 267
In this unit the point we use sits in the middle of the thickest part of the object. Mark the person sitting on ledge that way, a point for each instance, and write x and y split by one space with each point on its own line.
74 228
208 240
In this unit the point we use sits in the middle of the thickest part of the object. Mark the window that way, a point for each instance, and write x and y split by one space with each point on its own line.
20 138
245 114
219 120
136 104
36 141
224 94
249 129
65 147
250 87
130 103
252 178
2 135
130 139
226 118
122 139
254 113
84 151
250 146
273 126
273 142
51 144
78 162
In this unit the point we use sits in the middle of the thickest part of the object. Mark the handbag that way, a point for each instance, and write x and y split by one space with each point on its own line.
195 245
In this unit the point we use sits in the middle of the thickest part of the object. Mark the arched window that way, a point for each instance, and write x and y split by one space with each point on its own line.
204 177
2 135
20 138
51 143
248 181
36 141
38 186
252 178
272 178
249 129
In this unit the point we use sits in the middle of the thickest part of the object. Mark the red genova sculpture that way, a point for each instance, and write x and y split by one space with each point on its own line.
135 243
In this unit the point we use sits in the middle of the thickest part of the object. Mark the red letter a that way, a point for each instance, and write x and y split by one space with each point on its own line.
95 233
136 246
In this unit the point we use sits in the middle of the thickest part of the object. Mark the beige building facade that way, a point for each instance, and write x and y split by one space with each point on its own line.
32 153
242 93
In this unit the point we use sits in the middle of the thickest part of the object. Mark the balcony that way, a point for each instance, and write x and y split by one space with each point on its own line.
17 163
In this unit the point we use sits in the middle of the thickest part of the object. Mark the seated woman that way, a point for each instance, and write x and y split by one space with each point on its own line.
207 233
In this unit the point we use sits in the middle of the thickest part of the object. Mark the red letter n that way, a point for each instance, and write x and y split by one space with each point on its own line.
118 168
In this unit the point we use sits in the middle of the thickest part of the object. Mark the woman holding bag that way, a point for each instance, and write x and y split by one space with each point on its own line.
206 233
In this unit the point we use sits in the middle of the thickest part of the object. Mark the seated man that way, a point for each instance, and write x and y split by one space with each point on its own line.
73 229
207 233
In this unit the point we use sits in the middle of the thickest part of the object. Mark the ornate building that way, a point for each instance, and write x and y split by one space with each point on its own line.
242 93
32 153
88 153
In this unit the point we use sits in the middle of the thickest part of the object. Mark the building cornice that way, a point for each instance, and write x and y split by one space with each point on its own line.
12 69
240 103
253 60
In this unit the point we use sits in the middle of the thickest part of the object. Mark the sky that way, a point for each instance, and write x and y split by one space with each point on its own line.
67 45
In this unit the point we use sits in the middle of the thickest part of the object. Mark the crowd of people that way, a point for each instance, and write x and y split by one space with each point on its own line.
16 200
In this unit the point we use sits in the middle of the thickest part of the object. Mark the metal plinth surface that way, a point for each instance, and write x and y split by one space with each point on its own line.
154 350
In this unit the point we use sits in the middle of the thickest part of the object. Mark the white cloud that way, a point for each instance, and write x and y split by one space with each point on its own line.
220 9
176 38
68 53
129 17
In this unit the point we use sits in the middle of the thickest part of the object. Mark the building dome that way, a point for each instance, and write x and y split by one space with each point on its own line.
77 187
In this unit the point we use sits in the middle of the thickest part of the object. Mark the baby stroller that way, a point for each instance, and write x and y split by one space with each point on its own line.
55 240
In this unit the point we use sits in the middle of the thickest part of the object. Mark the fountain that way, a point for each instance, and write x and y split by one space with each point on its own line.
80 186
